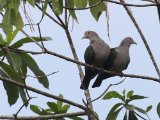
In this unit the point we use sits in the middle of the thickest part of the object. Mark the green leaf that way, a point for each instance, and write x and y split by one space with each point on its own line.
23 95
3 4
17 21
57 6
15 60
80 3
53 106
59 103
97 10
158 109
31 63
70 4
32 2
44 8
130 107
16 6
6 22
140 110
35 109
2 42
25 40
130 93
65 108
132 116
10 36
114 112
11 90
148 108
112 94
135 97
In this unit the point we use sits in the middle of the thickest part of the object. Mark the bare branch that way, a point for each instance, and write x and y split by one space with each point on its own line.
87 65
42 117
42 92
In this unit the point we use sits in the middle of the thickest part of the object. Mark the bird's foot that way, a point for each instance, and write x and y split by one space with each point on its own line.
121 74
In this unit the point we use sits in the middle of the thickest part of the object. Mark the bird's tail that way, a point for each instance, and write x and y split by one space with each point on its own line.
100 78
86 80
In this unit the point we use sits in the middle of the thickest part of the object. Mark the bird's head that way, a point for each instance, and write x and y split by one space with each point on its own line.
128 41
90 35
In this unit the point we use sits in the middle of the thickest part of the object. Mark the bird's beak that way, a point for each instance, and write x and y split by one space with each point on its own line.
134 43
84 37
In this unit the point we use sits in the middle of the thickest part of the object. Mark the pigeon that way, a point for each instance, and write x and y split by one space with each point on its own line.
117 61
95 55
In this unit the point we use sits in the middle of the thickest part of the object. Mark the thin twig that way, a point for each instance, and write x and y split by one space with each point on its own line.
42 76
143 37
139 116
107 90
42 117
49 15
22 106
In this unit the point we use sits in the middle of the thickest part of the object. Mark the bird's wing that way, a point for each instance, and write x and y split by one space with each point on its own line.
109 62
89 56
127 64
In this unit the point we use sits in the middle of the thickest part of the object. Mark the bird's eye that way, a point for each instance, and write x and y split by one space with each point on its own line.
88 33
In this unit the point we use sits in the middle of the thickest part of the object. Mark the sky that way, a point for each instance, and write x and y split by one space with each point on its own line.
67 81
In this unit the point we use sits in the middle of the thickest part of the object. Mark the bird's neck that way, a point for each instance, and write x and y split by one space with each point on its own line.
95 40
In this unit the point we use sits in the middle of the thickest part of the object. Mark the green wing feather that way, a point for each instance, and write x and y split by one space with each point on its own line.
89 56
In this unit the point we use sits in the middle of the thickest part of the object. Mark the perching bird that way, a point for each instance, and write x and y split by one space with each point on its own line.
96 54
117 61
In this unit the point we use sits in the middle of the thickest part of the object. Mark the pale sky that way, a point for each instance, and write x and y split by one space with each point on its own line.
67 81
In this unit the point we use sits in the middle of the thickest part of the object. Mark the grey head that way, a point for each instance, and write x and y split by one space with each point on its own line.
128 41
91 35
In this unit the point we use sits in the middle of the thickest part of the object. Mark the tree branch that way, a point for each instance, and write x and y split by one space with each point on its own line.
42 117
42 92
87 65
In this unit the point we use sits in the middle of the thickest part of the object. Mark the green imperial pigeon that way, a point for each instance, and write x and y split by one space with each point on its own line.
96 54
117 61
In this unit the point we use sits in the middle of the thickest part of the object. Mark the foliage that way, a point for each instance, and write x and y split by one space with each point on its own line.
126 98
54 108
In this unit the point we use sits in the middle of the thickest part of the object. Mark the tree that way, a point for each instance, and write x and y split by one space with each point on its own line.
18 62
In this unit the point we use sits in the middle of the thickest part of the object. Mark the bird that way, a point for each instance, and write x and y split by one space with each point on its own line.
118 61
95 55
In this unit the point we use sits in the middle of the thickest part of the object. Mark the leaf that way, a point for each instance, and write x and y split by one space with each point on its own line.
97 10
23 95
11 90
10 36
140 110
6 22
158 109
80 3
112 94
53 106
65 108
57 6
158 8
17 21
148 108
135 97
35 109
130 107
114 112
15 60
2 42
44 8
59 103
31 63
70 4
130 93
132 116
25 40
16 6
